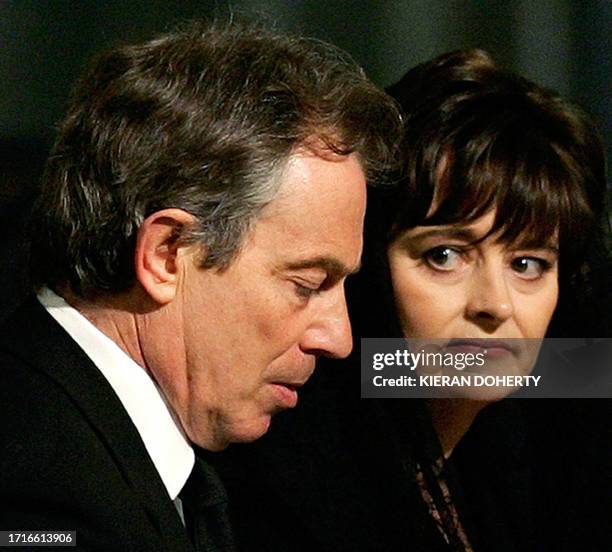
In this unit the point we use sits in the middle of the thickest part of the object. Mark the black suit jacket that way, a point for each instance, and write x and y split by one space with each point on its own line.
328 477
335 475
70 457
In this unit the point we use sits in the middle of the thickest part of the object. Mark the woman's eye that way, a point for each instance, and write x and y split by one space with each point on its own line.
443 258
530 268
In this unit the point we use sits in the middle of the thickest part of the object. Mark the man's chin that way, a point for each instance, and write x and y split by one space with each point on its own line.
252 430
244 431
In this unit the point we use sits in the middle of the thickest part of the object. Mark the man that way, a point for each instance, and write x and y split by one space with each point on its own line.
199 213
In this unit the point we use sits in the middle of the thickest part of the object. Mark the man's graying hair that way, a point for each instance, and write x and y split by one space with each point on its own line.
202 119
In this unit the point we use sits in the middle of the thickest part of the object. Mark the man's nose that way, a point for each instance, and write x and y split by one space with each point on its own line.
330 332
489 301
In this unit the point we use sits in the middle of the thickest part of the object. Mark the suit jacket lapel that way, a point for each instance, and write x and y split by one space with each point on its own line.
51 350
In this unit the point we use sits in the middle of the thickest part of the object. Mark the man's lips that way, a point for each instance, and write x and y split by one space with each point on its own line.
287 382
286 394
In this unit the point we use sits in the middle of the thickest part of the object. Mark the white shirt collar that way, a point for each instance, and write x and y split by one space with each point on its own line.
163 438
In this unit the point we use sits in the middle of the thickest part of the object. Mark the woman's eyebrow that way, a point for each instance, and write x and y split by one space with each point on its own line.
453 232
539 246
469 235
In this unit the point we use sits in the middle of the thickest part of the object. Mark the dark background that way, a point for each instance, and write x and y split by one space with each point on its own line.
44 45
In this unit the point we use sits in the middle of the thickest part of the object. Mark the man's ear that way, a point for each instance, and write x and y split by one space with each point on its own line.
159 253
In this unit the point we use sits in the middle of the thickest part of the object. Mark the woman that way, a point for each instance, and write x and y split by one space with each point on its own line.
504 190
502 194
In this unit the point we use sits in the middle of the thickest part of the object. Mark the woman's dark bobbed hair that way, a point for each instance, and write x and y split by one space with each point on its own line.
478 138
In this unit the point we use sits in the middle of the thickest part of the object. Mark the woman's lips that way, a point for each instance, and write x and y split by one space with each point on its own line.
494 348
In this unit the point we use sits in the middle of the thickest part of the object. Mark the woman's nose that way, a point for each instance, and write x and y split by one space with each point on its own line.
489 301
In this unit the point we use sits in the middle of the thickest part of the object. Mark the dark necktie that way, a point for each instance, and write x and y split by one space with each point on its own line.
205 508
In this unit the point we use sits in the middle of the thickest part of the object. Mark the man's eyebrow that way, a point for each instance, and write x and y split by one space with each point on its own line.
332 266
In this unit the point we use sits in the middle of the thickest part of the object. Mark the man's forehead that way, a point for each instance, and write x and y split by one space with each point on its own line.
316 219
306 174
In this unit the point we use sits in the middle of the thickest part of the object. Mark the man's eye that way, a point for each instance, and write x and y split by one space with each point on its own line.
530 268
306 291
443 258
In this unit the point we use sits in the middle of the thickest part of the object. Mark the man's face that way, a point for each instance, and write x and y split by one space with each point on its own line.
247 337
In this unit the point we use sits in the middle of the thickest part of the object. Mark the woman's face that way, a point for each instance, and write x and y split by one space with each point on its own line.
447 286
